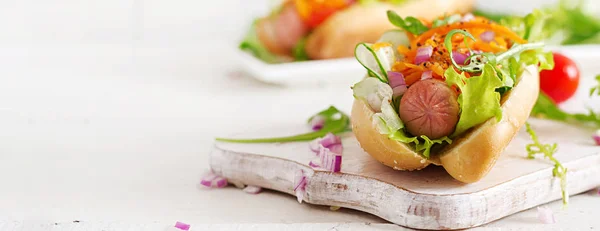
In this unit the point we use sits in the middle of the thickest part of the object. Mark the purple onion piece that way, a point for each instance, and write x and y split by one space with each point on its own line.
396 79
220 182
399 90
317 122
208 179
330 139
487 36
459 58
596 138
336 148
423 54
182 226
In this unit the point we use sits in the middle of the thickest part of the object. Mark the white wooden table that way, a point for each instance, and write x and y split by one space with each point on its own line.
108 111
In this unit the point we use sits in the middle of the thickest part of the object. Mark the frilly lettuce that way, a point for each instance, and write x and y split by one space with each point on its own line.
478 100
566 23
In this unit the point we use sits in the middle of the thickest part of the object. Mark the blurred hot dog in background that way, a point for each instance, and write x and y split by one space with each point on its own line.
317 29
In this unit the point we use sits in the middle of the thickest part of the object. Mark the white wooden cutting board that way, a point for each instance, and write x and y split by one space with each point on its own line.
426 199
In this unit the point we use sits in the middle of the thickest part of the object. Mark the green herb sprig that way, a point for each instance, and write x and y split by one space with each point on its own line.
410 24
548 151
335 122
596 89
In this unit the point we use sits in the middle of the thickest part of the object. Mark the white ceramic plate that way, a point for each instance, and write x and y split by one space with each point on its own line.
348 70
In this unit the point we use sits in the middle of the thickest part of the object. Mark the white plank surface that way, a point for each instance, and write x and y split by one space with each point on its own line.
426 199
108 110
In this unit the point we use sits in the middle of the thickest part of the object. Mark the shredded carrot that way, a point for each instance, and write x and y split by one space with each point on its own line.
499 30
440 59
412 78
437 69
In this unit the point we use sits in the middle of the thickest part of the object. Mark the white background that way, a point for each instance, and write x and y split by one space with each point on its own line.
108 110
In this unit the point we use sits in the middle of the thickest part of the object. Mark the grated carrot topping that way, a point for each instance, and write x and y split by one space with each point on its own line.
440 59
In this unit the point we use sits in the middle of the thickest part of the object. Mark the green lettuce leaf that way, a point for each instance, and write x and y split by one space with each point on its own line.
530 27
410 24
299 51
421 144
252 44
539 57
566 23
478 99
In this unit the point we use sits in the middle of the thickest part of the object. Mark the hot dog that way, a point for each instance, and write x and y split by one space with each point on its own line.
317 29
429 108
440 93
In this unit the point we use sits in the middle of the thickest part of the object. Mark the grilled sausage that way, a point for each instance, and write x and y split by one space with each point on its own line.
430 108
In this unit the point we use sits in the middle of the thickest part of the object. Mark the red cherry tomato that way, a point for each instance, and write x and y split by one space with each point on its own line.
561 82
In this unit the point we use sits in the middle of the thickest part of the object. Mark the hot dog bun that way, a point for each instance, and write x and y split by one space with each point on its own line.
471 155
339 34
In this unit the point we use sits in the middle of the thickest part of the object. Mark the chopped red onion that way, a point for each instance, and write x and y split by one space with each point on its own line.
252 189
423 54
467 17
399 90
331 161
396 79
397 82
328 152
545 215
460 58
336 148
330 139
314 145
327 141
317 122
213 181
487 36
328 160
182 226
598 190
300 182
597 137
314 163
426 75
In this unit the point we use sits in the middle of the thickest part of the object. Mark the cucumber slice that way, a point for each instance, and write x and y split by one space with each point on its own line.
396 38
377 61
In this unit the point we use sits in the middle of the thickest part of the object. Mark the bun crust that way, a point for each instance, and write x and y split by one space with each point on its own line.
470 156
339 34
